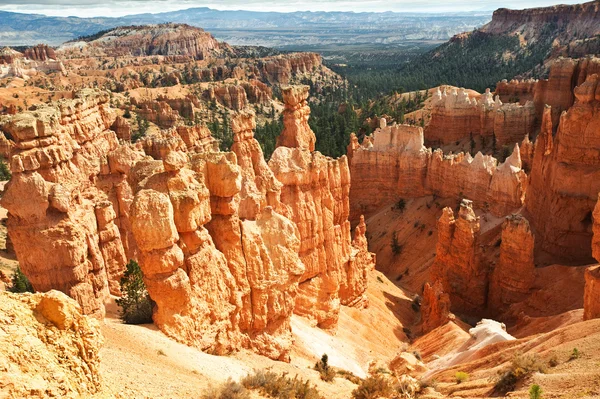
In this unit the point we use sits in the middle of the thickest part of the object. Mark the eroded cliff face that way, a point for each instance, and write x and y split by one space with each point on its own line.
580 17
458 263
455 116
201 296
316 190
591 297
41 52
394 164
229 245
64 234
565 177
514 274
435 308
163 39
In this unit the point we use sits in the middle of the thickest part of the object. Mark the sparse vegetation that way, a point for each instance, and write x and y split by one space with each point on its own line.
280 386
349 376
575 354
521 366
461 377
373 387
142 128
20 283
229 390
136 305
401 205
4 170
396 246
535 392
322 366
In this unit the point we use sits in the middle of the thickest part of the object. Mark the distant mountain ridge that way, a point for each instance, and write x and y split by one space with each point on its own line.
273 29
515 43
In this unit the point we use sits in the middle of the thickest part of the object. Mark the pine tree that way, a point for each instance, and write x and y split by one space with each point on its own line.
20 283
4 171
135 303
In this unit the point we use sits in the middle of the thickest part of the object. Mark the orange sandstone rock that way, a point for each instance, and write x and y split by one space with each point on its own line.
394 164
435 308
296 131
565 177
64 233
236 291
591 298
513 276
458 264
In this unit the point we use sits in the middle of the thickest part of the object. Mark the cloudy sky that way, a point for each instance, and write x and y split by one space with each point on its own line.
114 8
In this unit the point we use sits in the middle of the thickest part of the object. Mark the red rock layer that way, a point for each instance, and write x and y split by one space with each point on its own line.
558 90
260 188
122 128
230 96
516 90
41 52
9 56
514 274
394 163
591 297
565 177
582 17
435 308
455 116
458 264
158 112
64 234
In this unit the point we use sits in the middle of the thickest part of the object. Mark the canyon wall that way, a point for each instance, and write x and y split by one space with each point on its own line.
591 297
164 39
455 116
458 264
514 274
394 163
316 189
464 280
64 234
229 245
565 177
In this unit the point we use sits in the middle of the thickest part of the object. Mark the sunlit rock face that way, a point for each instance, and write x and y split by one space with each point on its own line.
394 163
65 233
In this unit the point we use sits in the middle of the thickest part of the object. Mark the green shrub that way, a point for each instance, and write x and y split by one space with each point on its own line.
4 171
535 392
400 205
280 386
136 305
229 390
20 283
461 377
575 354
373 387
322 366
